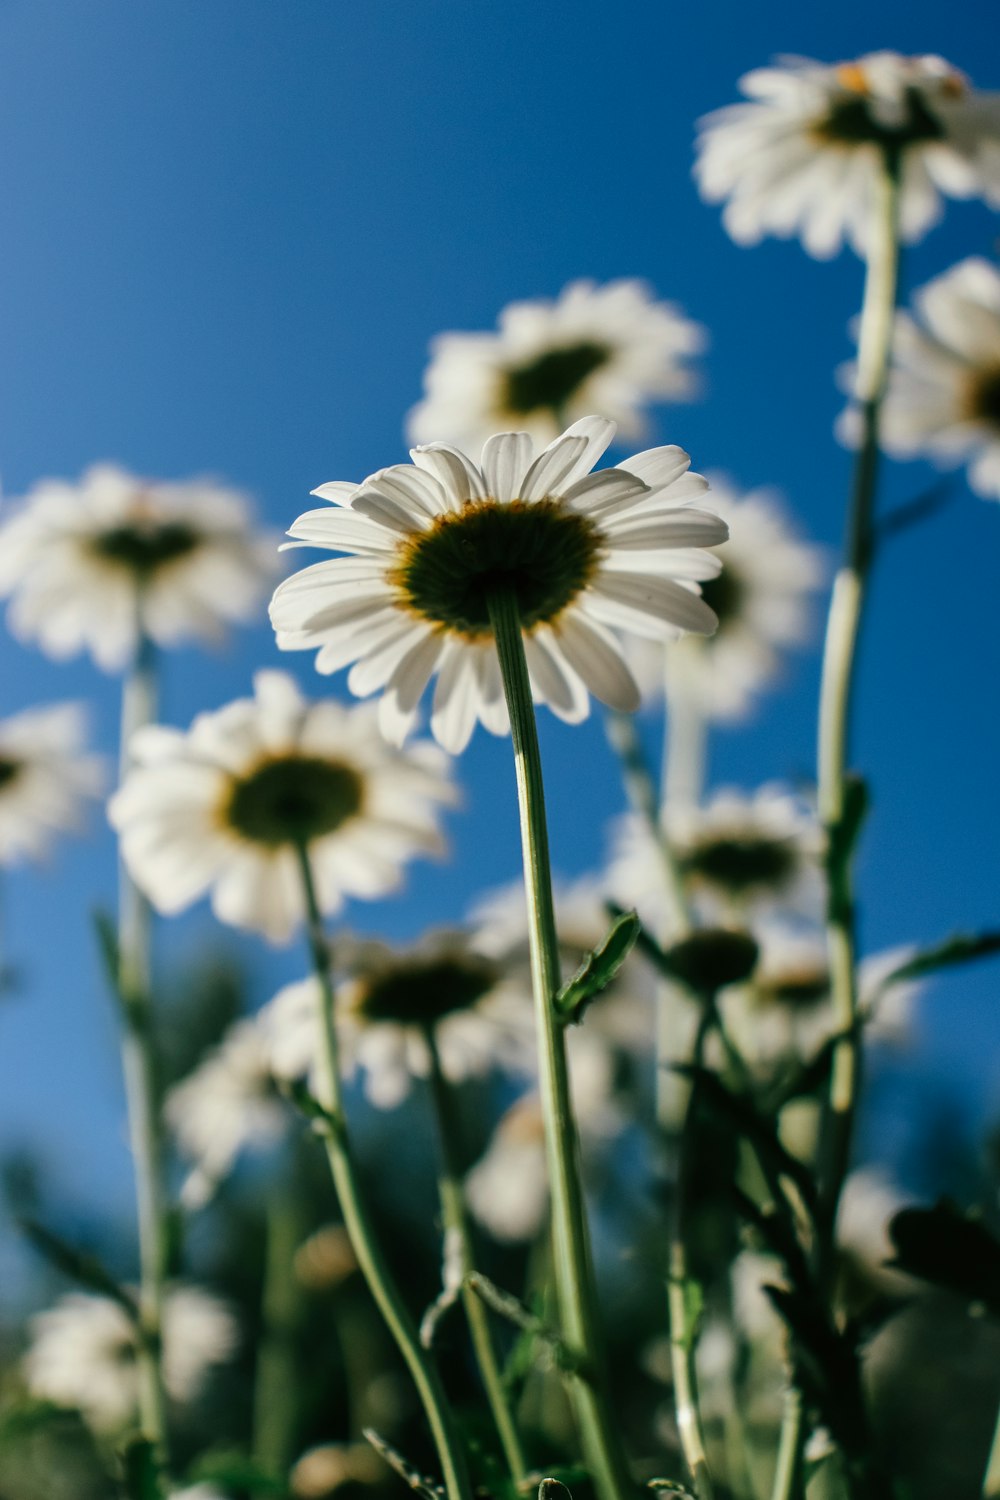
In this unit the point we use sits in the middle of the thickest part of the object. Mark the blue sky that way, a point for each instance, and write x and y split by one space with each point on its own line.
231 230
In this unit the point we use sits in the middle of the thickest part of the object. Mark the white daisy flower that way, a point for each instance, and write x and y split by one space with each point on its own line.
83 1353
739 851
225 807
611 349
384 1010
943 398
92 566
434 541
45 778
762 599
803 158
228 1103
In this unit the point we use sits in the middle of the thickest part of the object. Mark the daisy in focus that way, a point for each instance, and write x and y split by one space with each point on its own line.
434 544
83 1353
943 398
45 778
96 566
226 807
803 157
390 1003
762 600
611 349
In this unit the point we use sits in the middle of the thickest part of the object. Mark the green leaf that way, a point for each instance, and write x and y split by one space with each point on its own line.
843 838
140 1477
510 1307
598 969
324 1120
78 1265
944 1246
553 1489
962 948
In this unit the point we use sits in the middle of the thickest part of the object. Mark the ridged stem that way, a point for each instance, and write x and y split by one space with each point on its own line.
139 708
578 1310
357 1219
455 1223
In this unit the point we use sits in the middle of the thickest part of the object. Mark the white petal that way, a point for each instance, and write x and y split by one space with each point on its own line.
505 461
456 473
337 491
658 466
595 491
649 599
595 654
456 697
553 467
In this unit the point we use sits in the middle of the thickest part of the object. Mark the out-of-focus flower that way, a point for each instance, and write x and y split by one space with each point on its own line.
324 1470
45 778
230 1102
225 807
433 542
386 1008
761 598
83 1353
738 851
93 566
868 1203
198 1492
943 398
802 158
609 349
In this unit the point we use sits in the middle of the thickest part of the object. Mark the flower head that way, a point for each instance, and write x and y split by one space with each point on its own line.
227 806
83 1353
392 999
610 349
803 157
433 543
944 387
44 778
92 566
761 598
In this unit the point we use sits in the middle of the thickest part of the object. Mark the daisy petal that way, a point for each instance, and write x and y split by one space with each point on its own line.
505 460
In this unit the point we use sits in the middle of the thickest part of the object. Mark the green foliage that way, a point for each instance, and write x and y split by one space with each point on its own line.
597 970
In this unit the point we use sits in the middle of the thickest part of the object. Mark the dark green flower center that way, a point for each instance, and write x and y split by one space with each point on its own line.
419 992
294 799
738 863
724 594
852 122
144 546
984 397
551 380
798 989
9 770
541 553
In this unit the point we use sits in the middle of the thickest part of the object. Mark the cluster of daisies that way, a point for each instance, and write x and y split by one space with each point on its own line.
634 583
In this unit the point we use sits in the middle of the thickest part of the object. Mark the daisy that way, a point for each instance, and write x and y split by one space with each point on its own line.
387 1006
762 600
435 544
803 158
227 806
944 386
83 1353
45 778
229 1102
97 565
735 852
611 349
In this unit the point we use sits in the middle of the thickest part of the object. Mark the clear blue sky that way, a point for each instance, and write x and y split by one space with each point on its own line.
229 231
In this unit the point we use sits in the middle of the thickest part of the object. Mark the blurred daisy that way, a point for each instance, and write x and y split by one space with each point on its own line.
83 1353
737 851
92 566
228 1103
432 541
225 807
387 1006
761 599
944 387
45 778
610 349
804 156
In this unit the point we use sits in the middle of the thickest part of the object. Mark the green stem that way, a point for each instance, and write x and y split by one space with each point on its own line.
836 691
580 1325
640 789
139 706
787 1483
357 1218
455 1221
275 1391
991 1479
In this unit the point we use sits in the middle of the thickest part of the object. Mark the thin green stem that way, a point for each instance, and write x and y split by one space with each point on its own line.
139 707
455 1222
836 691
578 1310
991 1478
640 789
357 1218
788 1477
276 1385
